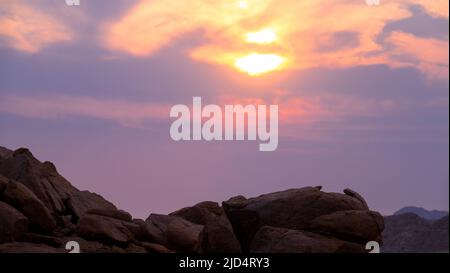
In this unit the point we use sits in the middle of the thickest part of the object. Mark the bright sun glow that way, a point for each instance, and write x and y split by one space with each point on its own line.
243 4
264 36
255 64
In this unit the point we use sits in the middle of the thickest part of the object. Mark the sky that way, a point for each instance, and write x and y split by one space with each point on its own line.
362 90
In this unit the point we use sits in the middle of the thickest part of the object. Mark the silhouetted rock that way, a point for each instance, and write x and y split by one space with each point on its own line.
42 179
359 226
281 240
82 201
104 229
114 213
40 211
13 224
23 247
424 213
292 209
409 233
218 232
156 248
180 234
20 197
356 195
5 153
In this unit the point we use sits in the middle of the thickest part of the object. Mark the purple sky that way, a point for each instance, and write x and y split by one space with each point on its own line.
371 118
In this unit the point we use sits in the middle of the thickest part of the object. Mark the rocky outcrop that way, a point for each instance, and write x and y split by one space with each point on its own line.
41 178
218 233
13 224
302 209
81 201
282 240
19 196
410 233
177 233
40 211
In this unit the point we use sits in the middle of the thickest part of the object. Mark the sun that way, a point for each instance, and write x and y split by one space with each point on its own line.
265 36
242 4
256 64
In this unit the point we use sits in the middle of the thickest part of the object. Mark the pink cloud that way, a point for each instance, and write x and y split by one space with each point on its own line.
28 29
130 114
428 54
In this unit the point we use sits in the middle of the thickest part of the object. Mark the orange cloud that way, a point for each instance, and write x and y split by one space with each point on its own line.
295 31
28 29
130 114
428 54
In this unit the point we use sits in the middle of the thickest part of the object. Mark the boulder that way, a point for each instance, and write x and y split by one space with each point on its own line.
82 201
354 225
356 195
292 209
116 214
148 232
23 247
3 183
13 224
132 248
218 232
155 248
36 238
23 199
5 153
91 246
104 229
180 234
41 178
281 240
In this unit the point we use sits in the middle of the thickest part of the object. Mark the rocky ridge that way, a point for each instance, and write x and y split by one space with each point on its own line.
40 211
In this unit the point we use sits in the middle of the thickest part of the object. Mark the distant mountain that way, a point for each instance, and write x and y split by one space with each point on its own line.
410 233
426 214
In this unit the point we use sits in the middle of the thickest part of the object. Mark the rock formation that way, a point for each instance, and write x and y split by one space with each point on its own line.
410 233
40 211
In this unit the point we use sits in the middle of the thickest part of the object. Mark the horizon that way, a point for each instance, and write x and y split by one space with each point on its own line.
362 93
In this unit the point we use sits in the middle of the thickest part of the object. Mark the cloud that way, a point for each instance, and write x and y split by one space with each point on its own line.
310 33
29 29
129 114
428 54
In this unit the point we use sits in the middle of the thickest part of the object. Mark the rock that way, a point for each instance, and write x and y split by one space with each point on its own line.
355 225
156 248
13 224
43 239
218 232
91 246
5 153
292 209
104 229
3 183
42 179
410 233
144 231
356 195
132 248
281 240
23 247
80 202
23 199
116 214
180 234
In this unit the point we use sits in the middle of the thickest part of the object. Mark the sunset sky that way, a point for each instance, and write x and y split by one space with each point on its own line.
362 93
